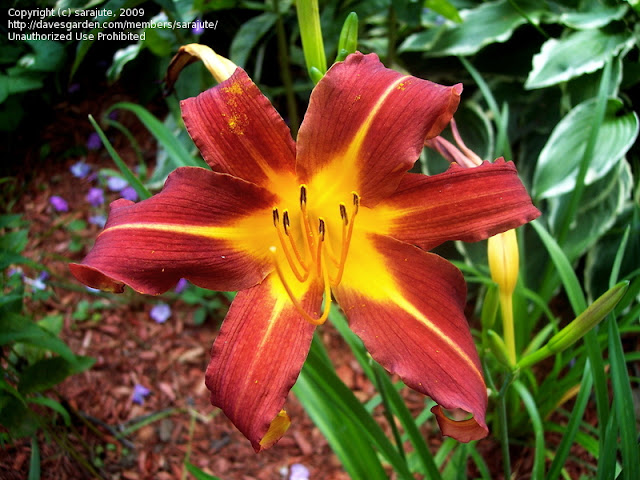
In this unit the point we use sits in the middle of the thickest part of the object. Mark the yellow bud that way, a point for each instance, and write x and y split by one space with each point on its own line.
504 260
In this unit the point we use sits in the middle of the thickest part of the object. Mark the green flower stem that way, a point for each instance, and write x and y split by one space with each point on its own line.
506 309
311 33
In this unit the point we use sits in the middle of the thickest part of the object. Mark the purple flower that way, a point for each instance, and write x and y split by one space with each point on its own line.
140 392
95 197
181 286
198 28
15 271
73 88
37 283
297 471
113 115
80 169
59 203
94 142
160 312
129 193
116 184
99 220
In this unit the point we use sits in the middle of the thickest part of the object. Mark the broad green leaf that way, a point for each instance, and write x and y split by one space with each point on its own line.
120 59
603 201
444 8
490 22
48 372
560 158
592 14
47 56
18 418
578 53
248 36
15 328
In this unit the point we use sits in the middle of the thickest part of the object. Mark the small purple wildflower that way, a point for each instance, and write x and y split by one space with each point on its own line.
198 28
73 88
80 169
116 184
99 220
140 392
129 193
160 312
297 471
94 142
59 203
113 115
181 286
95 197
15 271
37 283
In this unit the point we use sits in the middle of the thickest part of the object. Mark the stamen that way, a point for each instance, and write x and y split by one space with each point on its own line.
321 231
309 235
347 232
276 223
286 224
294 301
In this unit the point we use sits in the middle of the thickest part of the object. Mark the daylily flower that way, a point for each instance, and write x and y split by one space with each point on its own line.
334 215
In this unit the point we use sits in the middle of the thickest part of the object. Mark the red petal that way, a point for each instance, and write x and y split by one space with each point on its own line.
239 132
410 316
468 204
258 355
366 125
197 228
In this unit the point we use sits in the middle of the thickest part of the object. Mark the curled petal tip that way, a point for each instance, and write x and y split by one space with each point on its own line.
462 430
95 279
277 429
457 89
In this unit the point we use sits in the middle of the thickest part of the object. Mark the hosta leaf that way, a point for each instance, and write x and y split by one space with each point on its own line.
560 158
578 53
602 202
489 23
594 14
248 36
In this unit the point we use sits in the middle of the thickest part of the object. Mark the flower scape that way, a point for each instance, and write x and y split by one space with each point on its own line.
333 216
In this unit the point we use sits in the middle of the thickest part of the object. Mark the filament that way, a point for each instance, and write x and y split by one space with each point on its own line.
276 223
294 300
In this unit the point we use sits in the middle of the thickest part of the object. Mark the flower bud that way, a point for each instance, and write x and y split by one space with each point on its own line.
348 42
504 260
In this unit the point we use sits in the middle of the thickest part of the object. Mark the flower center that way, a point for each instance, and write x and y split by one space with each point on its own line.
311 259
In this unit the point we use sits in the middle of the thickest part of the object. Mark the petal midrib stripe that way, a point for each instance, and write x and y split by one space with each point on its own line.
195 230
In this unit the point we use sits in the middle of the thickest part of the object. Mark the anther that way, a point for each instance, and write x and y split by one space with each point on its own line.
356 201
285 222
303 195
343 214
321 228
276 217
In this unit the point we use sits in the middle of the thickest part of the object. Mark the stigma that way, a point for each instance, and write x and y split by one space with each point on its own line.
306 250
